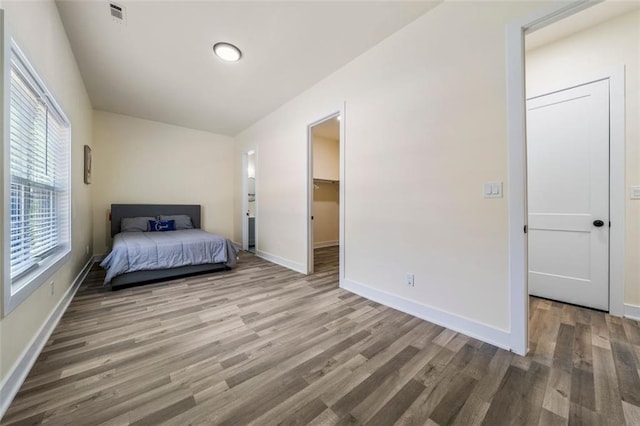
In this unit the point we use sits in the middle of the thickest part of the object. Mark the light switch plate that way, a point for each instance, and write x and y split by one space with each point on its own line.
492 190
635 193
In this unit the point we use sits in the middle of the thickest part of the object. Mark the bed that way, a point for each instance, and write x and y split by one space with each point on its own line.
141 257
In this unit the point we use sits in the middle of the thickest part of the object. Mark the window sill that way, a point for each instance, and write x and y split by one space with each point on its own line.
16 293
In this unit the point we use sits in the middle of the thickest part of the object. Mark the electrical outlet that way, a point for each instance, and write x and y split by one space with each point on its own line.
52 287
409 280
86 249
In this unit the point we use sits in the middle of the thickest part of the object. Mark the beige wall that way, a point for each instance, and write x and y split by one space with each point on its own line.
425 126
141 161
326 158
326 196
251 183
601 48
326 213
37 29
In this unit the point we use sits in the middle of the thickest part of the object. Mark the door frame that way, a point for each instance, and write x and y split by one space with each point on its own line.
336 112
517 191
245 199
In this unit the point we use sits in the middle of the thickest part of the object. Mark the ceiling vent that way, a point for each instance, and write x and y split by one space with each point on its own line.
117 12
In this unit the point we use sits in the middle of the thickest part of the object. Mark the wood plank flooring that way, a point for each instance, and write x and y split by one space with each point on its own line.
264 345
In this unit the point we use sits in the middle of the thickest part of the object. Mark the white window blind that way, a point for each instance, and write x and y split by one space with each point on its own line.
39 168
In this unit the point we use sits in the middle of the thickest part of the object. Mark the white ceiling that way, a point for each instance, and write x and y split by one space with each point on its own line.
159 64
580 21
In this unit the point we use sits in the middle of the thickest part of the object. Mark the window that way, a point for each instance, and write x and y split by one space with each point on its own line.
39 141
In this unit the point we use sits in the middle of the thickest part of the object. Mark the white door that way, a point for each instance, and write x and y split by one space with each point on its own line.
568 195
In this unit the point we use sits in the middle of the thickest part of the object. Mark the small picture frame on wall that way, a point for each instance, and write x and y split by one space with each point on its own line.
87 164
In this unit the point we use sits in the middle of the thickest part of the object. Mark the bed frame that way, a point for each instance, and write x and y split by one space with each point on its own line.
119 211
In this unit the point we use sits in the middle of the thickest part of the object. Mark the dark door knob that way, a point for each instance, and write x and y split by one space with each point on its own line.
598 223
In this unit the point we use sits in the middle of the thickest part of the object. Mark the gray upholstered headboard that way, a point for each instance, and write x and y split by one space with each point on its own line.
118 211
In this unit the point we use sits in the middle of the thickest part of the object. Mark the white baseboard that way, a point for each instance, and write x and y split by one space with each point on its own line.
322 244
486 333
632 311
298 267
12 382
237 245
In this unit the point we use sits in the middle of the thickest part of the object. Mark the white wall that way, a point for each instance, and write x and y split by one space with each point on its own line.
141 161
600 48
37 29
425 126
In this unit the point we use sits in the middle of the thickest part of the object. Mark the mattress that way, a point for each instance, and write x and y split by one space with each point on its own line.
146 251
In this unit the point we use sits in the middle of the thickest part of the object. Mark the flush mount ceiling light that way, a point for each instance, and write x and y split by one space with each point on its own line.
227 52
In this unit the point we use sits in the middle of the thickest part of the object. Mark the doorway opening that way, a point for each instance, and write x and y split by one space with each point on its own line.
249 205
566 143
324 194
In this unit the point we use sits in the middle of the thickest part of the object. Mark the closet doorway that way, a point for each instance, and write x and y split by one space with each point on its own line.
553 54
249 210
324 194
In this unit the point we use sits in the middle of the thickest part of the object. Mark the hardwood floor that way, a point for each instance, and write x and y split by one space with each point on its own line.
265 345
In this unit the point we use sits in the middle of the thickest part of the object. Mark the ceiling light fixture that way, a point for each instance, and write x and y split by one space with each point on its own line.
227 52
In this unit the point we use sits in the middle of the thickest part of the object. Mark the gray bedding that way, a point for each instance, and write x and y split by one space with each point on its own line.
138 251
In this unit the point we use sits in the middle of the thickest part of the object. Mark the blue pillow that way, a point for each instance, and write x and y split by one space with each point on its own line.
162 225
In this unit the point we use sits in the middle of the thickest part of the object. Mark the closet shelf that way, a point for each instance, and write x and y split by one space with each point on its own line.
325 180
